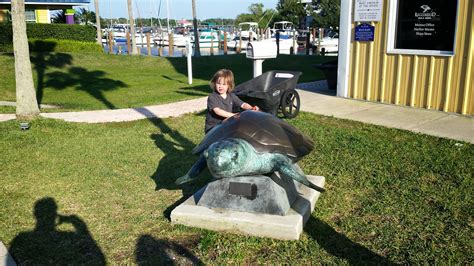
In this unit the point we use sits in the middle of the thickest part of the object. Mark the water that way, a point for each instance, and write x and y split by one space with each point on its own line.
180 51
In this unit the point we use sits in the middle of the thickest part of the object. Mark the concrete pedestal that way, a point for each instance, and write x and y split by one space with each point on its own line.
286 227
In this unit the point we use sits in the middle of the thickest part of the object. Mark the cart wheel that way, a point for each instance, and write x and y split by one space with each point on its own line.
290 103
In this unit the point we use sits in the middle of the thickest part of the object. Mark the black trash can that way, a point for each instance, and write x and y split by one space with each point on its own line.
330 72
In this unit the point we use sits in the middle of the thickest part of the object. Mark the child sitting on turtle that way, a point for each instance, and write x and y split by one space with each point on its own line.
221 101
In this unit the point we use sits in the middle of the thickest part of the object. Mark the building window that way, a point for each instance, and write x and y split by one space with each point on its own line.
30 15
422 27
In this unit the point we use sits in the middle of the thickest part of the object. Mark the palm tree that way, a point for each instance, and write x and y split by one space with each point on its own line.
26 104
97 22
197 52
132 27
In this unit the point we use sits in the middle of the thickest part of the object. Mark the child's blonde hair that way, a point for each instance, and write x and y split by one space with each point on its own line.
228 77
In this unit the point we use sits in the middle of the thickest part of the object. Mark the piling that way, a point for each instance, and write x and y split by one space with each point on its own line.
240 42
225 43
160 45
111 42
307 42
127 36
278 42
148 46
212 44
170 44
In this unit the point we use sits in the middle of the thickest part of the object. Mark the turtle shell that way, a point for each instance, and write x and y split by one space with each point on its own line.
265 132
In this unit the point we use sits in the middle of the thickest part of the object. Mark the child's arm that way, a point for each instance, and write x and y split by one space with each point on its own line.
218 111
247 106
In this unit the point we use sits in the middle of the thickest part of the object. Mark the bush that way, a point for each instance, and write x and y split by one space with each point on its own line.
83 33
53 45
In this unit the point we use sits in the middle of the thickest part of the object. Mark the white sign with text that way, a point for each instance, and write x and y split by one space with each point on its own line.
368 10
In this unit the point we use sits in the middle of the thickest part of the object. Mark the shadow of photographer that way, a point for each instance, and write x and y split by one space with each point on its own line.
47 245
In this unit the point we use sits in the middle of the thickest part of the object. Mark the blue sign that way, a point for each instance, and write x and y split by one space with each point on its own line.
364 33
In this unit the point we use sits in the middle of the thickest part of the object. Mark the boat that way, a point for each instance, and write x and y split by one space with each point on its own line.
284 28
242 37
329 43
208 39
287 36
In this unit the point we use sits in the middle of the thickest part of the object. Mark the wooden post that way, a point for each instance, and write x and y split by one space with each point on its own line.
218 40
139 52
171 44
120 49
250 37
225 43
240 42
212 43
111 42
307 42
129 50
160 45
314 35
278 42
295 48
148 46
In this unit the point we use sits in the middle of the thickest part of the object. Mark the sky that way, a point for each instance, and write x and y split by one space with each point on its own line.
179 9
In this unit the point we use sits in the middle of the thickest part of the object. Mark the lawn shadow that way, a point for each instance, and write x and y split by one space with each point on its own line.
341 246
93 82
46 245
201 91
151 251
170 78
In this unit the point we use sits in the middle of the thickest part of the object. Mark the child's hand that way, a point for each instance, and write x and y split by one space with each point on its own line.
255 108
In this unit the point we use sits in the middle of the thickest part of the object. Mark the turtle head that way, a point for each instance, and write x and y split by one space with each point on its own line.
227 158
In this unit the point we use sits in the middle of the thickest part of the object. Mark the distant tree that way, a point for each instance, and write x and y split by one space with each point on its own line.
257 14
26 103
59 17
326 13
290 10
219 21
85 16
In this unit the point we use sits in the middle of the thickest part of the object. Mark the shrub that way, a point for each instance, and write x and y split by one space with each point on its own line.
83 33
53 45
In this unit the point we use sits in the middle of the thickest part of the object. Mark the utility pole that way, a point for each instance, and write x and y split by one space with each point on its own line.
197 52
97 22
132 28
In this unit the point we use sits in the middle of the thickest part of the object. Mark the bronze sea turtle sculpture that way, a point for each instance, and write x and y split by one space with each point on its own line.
252 143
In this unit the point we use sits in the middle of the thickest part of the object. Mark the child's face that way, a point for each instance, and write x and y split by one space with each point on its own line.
221 86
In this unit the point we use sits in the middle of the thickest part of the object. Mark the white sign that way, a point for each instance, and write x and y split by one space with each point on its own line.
368 10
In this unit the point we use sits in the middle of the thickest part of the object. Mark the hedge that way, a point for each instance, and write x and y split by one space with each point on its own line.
54 45
83 33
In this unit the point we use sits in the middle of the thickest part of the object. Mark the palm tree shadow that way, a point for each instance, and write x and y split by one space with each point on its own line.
341 246
44 60
93 82
151 251
46 245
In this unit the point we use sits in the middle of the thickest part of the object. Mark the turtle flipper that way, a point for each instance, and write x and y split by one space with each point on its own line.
195 170
295 172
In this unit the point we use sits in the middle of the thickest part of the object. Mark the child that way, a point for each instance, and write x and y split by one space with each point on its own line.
221 101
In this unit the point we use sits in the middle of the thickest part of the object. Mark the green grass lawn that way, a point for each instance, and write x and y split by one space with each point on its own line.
106 190
81 81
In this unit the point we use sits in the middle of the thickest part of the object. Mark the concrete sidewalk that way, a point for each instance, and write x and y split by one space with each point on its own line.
315 98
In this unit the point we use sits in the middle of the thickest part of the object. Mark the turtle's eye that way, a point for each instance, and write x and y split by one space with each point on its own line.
235 156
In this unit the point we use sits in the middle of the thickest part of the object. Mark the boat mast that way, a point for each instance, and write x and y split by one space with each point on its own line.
168 15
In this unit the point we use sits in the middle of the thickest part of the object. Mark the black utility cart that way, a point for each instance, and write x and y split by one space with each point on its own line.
271 91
